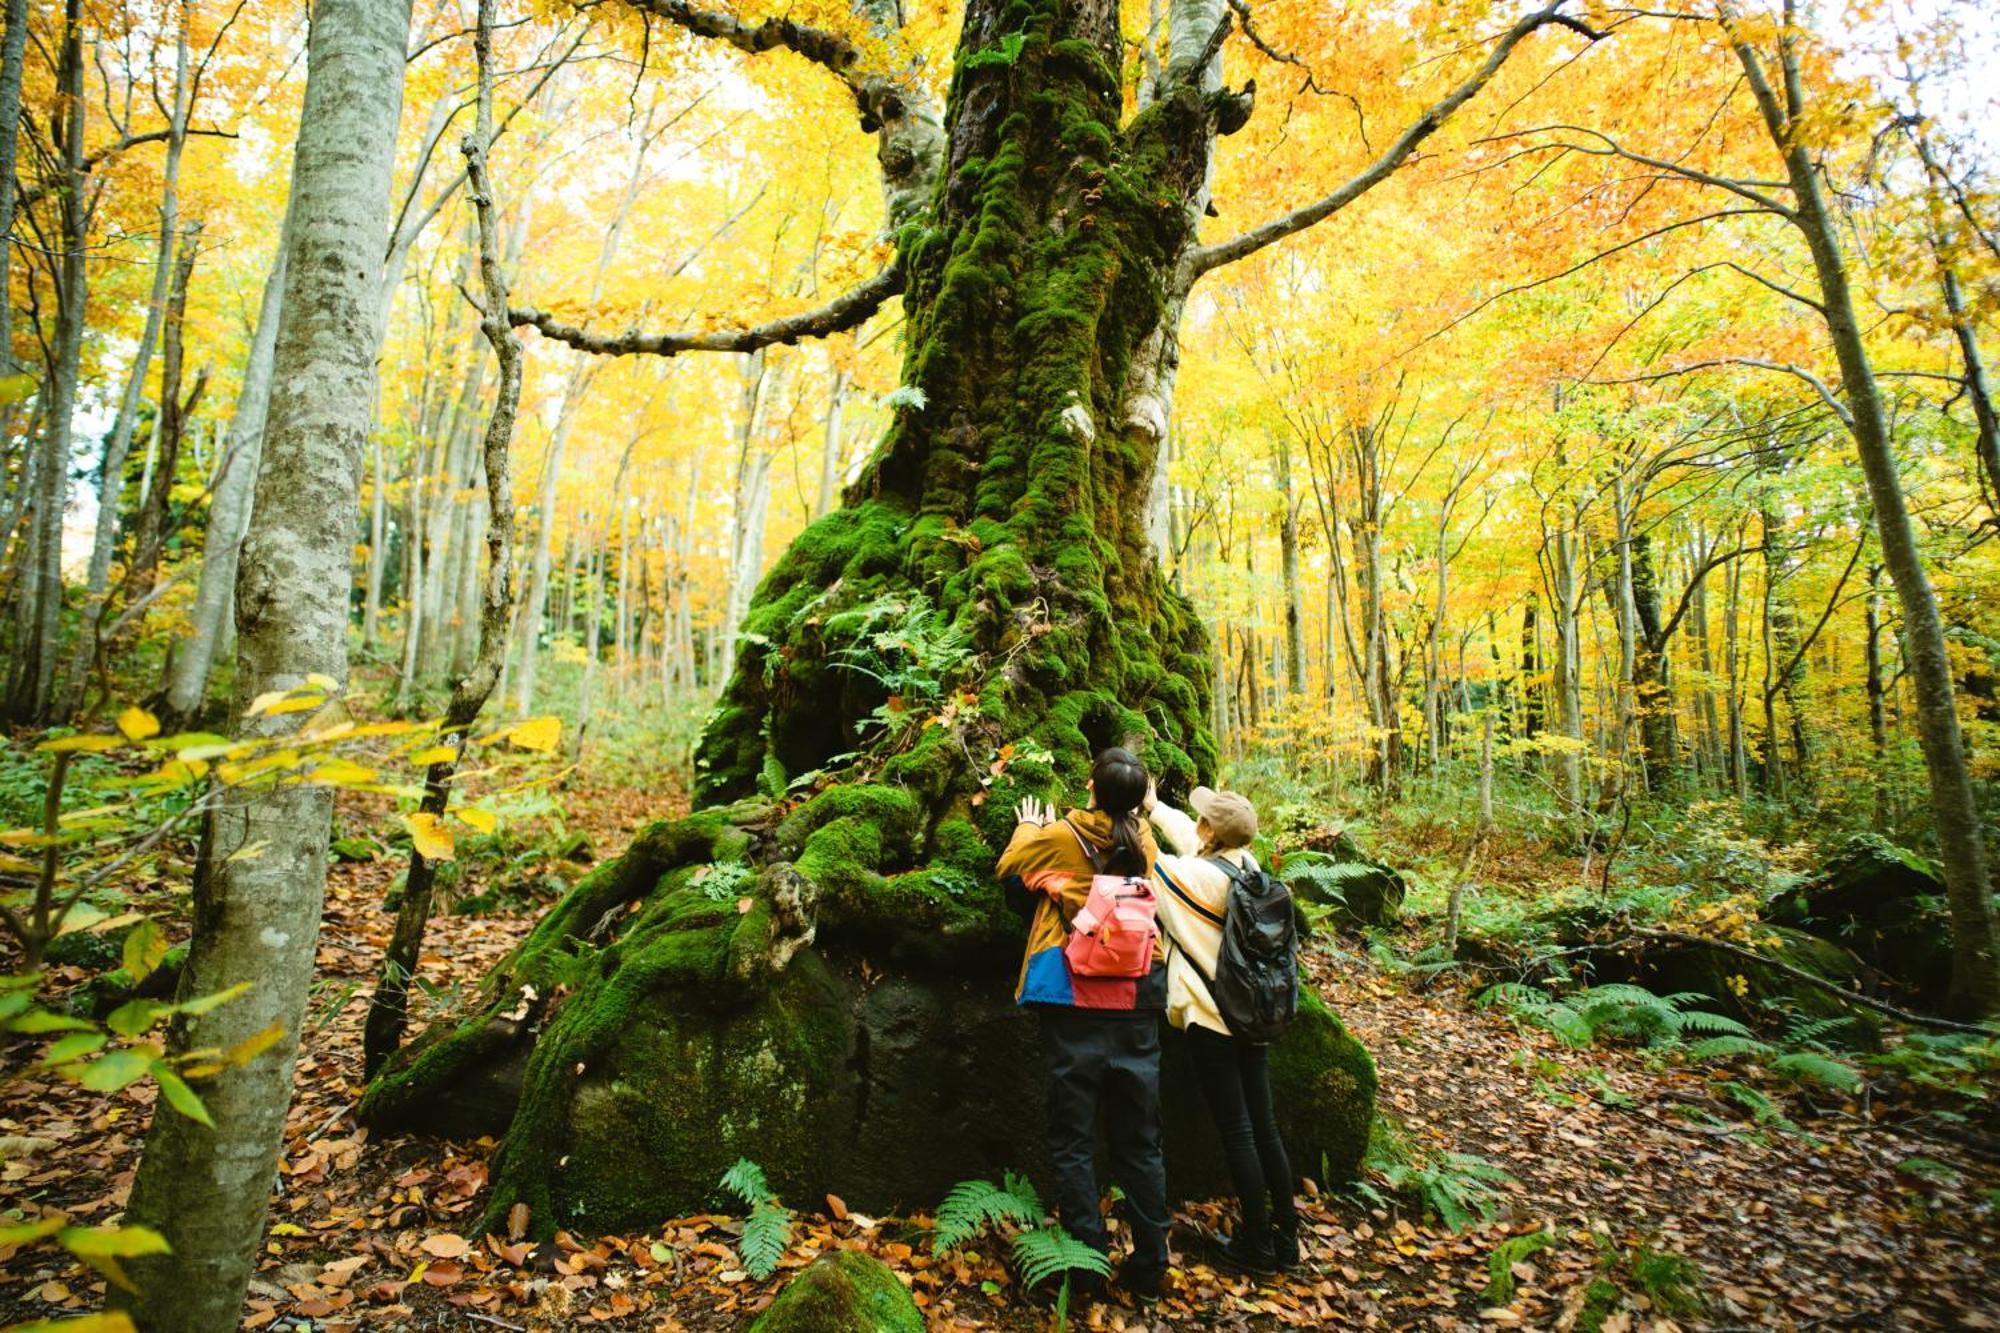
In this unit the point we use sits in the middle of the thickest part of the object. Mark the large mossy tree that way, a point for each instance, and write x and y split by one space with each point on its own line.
815 968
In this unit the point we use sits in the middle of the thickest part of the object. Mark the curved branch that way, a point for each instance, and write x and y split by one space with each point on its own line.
1207 257
1819 385
848 310
828 49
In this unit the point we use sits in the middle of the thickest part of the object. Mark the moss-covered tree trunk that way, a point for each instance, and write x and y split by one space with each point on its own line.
816 969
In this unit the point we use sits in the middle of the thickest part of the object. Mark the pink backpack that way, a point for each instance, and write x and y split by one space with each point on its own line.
1112 933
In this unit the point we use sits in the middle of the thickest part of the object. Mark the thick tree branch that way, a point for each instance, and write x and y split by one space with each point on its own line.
1815 980
848 310
829 49
1207 257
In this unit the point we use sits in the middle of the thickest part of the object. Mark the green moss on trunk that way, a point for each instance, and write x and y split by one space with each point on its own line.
978 619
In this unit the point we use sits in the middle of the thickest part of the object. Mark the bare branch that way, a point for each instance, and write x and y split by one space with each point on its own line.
1819 385
1753 190
32 192
847 311
1207 257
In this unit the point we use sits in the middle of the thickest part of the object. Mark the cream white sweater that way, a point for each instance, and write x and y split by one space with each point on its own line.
1193 897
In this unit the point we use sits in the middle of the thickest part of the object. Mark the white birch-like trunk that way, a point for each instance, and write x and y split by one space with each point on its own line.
229 506
256 918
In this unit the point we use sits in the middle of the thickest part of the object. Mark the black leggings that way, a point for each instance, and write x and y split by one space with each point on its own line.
1236 1079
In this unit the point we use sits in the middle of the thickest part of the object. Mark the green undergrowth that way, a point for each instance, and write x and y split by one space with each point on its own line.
1458 1189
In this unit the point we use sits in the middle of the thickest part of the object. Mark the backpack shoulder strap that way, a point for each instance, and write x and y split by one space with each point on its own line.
1235 873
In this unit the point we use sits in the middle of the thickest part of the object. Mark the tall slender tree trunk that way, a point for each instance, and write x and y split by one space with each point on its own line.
830 454
1878 730
1288 564
256 918
149 533
31 682
13 54
388 1009
747 508
1975 981
378 543
229 506
111 484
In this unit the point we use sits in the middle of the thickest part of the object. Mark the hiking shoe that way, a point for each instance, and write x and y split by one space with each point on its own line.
1140 1281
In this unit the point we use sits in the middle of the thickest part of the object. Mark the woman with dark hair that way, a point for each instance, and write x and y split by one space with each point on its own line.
1100 1030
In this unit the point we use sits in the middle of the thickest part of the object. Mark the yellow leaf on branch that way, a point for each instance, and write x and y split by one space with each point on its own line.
429 836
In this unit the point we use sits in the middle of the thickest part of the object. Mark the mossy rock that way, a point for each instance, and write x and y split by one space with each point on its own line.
101 994
96 950
1752 992
1884 903
842 1292
1363 891
1322 1085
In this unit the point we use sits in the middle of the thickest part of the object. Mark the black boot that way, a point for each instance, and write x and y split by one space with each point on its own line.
1140 1281
1242 1254
1285 1244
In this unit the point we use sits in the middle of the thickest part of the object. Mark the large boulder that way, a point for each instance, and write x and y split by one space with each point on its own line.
842 1292
1884 903
1755 992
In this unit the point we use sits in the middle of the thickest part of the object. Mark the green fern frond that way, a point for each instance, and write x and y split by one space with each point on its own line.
1728 1047
767 1233
1705 1021
1623 994
1812 1067
746 1181
1511 994
1050 1251
1803 1031
973 1205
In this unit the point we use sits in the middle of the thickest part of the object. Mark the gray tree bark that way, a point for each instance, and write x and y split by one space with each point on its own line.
229 506
256 918
31 683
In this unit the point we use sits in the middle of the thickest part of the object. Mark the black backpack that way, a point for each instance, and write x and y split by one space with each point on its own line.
1256 982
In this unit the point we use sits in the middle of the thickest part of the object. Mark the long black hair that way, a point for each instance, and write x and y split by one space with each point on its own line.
1119 781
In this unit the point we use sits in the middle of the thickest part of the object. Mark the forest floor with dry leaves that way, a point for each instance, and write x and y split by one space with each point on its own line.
1618 1154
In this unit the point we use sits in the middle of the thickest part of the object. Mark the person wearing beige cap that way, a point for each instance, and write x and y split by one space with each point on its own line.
1210 852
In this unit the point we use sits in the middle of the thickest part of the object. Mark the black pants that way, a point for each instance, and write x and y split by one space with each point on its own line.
1109 1064
1236 1079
